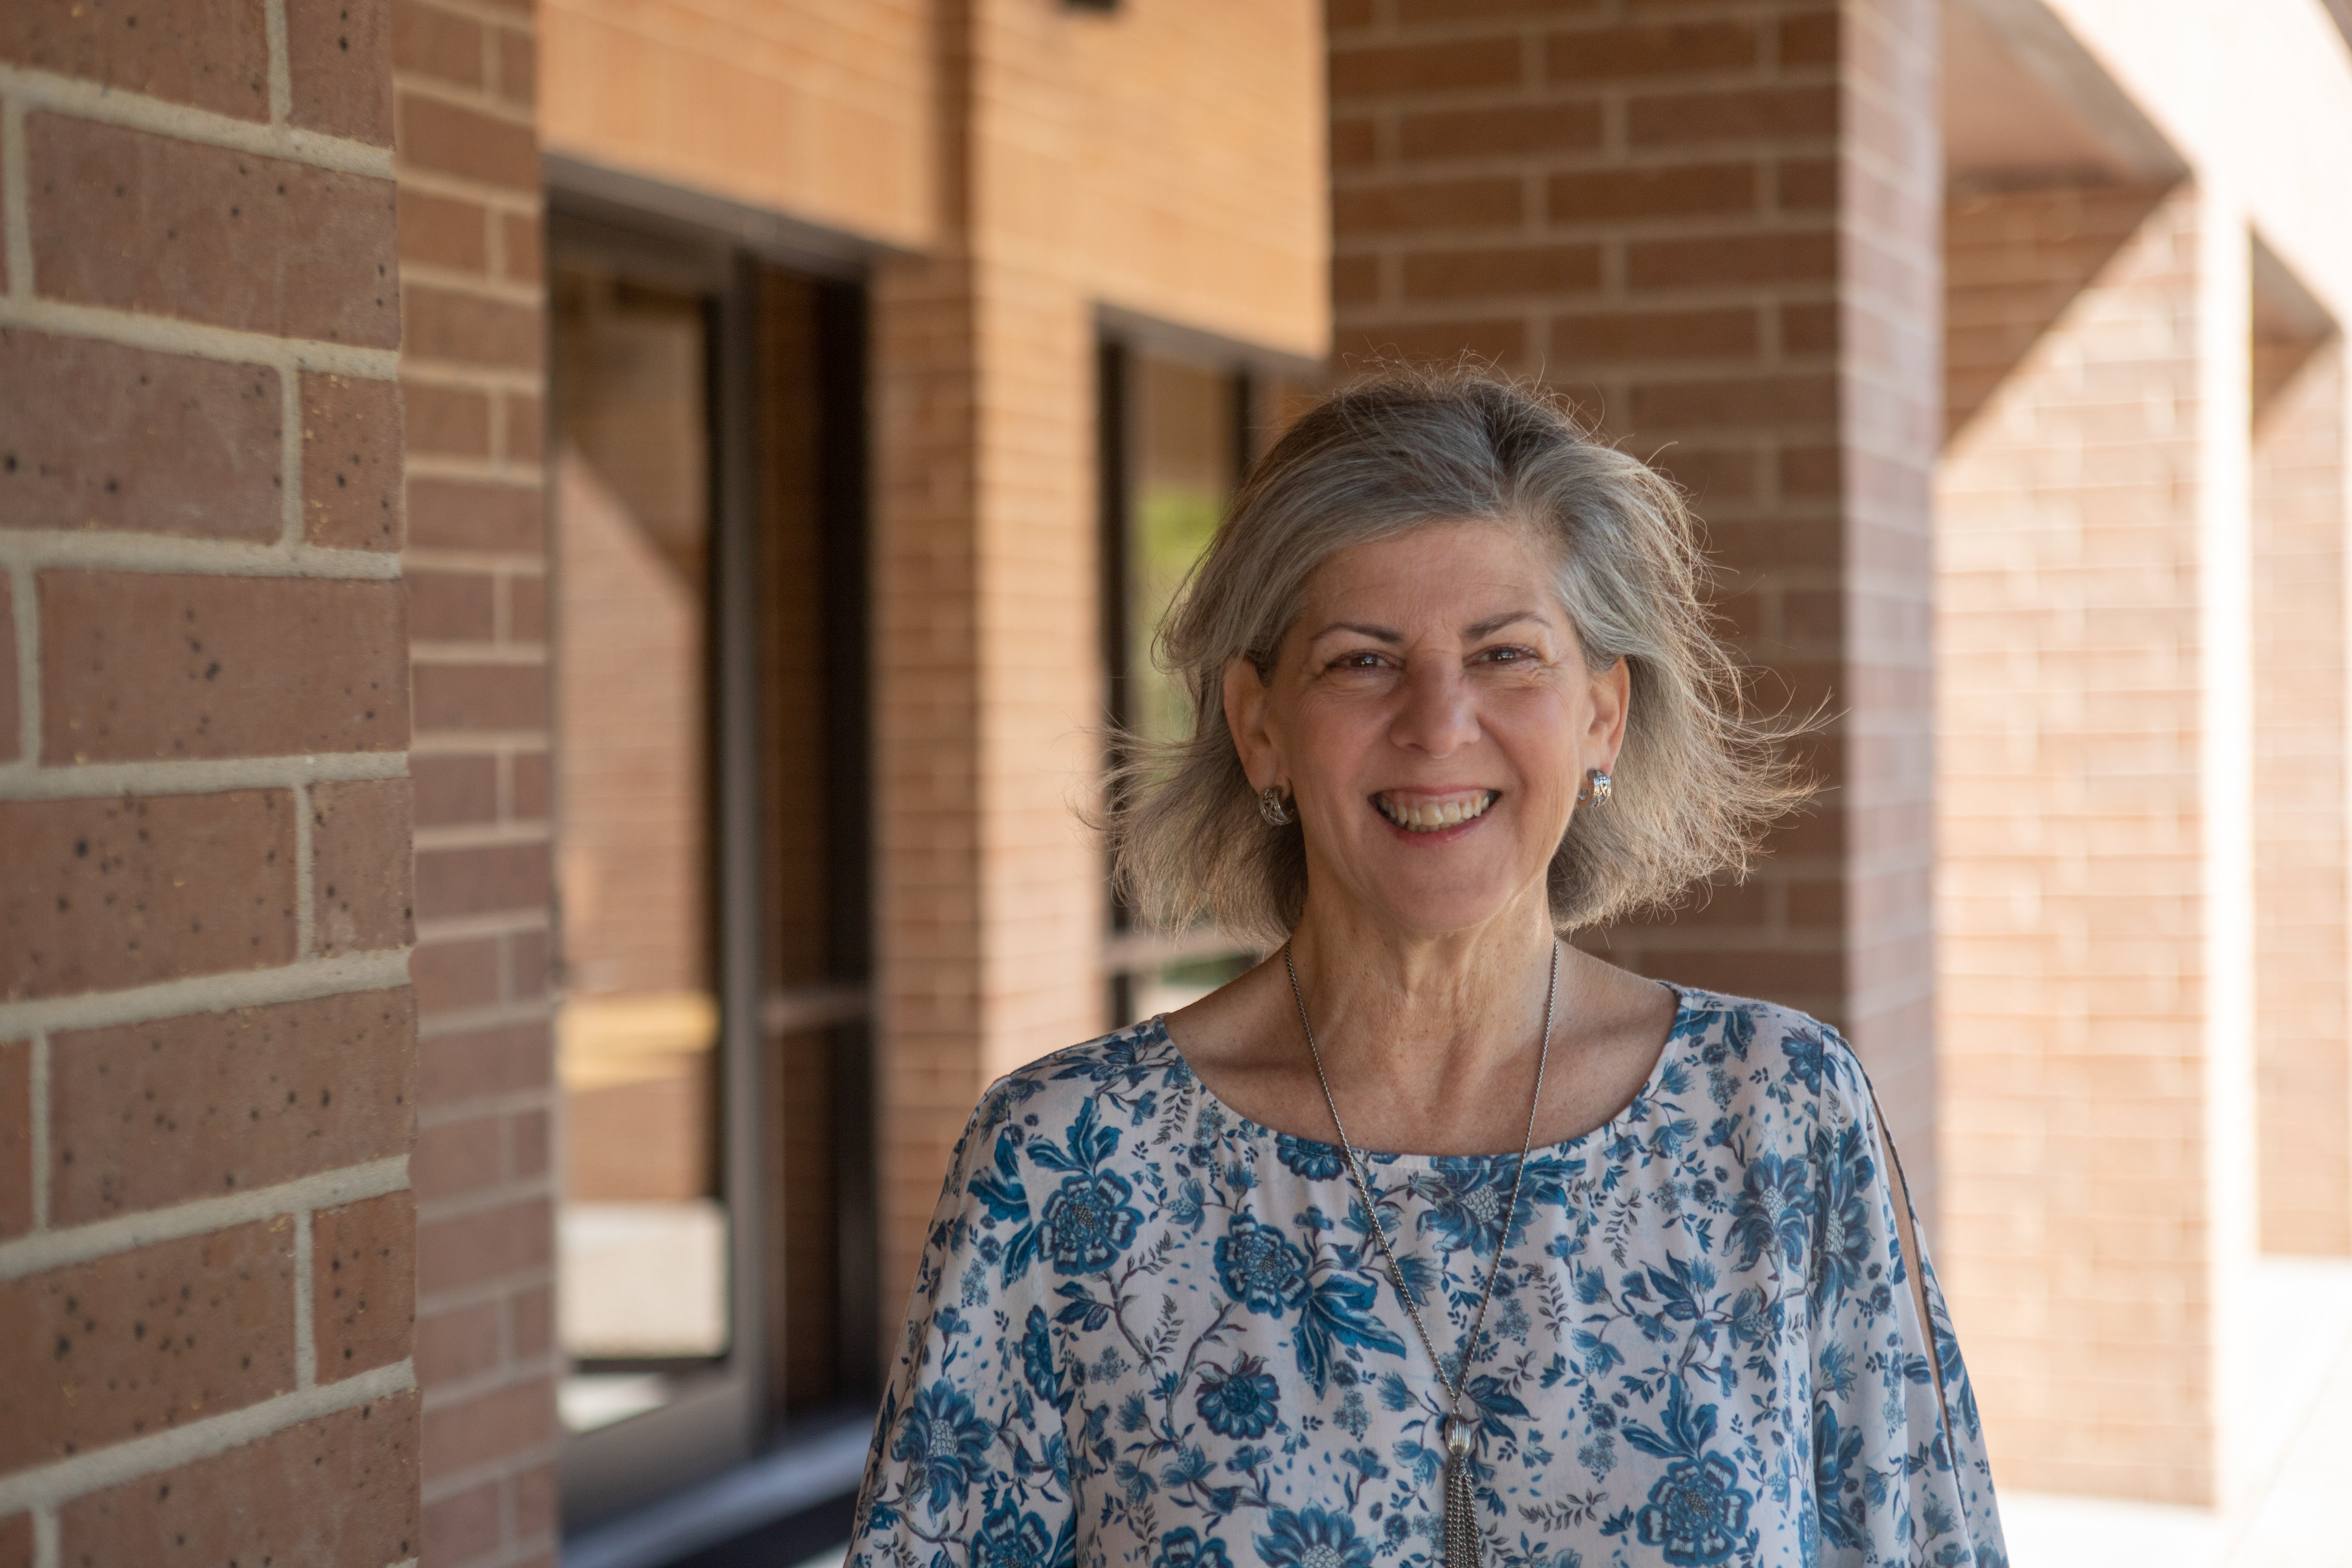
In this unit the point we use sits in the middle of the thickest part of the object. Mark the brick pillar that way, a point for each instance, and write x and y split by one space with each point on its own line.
472 366
928 1069
2093 846
991 904
1709 229
2302 902
207 1045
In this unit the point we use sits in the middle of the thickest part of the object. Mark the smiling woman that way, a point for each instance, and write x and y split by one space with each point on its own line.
1453 693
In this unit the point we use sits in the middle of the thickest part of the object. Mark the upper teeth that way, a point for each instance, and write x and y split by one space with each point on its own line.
1427 817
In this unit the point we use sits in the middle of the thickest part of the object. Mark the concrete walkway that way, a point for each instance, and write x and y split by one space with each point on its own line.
2297 1422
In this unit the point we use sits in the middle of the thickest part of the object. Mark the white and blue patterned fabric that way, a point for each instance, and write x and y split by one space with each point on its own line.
1148 1330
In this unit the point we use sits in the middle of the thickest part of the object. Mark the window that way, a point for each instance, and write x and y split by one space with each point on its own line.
644 1222
1180 421
715 1231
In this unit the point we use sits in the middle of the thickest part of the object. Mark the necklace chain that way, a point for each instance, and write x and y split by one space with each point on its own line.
1453 1386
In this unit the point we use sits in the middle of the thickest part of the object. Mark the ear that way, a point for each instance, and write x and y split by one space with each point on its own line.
1245 715
1613 696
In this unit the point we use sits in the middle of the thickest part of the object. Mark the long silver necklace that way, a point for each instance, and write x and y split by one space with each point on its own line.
1460 1430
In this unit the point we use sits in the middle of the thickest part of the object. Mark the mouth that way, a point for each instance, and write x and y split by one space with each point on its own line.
1435 813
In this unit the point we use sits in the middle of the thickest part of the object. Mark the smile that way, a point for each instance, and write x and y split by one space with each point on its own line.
1434 814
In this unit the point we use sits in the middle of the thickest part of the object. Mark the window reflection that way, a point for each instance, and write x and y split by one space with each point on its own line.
1179 434
642 1231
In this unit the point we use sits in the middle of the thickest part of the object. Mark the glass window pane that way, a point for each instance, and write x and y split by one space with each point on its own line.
1183 427
1186 426
642 1233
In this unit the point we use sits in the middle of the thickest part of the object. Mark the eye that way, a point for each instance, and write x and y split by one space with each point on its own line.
1364 661
1507 654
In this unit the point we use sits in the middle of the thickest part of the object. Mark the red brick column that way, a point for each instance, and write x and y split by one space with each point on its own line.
1713 225
472 368
207 1046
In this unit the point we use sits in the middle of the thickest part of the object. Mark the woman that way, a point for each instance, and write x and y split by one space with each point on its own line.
1638 1285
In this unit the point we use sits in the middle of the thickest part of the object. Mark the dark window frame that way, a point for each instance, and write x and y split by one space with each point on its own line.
727 1413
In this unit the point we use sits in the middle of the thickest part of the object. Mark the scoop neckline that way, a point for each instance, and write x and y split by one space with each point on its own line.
1683 1008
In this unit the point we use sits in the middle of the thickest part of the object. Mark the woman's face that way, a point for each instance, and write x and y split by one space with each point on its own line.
1430 712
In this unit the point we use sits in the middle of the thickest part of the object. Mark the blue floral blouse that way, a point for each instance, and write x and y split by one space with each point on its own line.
1148 1330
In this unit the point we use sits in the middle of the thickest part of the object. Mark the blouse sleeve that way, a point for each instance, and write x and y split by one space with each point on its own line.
1900 1474
971 1455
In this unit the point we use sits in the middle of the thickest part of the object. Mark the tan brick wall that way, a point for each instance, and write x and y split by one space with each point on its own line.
819 109
2303 982
1706 226
472 368
1166 160
208 1072
929 1062
2081 1226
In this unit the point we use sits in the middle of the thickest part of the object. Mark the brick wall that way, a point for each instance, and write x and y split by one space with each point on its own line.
1199 125
813 108
2301 796
471 365
2080 1221
1704 223
928 1067
207 1045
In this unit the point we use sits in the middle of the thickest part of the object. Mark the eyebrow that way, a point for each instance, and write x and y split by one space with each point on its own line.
1494 624
1391 635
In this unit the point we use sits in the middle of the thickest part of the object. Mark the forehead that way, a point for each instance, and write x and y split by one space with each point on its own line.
1444 571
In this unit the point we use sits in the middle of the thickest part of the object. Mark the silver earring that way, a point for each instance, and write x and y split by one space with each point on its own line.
1271 807
1596 788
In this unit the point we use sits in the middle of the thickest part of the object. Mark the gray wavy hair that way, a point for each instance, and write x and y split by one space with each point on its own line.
1698 779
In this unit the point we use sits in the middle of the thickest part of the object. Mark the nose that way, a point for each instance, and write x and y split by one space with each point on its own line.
1437 716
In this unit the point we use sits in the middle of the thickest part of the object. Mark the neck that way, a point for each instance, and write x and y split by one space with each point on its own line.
1420 1014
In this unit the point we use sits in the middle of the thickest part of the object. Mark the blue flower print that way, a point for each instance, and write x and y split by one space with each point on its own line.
1086 1223
1011 1539
1182 1547
1312 1538
1774 1211
1004 1202
1835 1449
942 1442
1808 1052
1697 1509
1241 1403
1842 1229
1259 1268
1149 1333
1037 1361
1315 1162
1695 1512
1467 1199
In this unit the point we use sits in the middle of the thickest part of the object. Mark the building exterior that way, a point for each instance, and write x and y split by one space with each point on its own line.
569 566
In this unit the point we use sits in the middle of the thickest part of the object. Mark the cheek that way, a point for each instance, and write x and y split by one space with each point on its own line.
1327 740
1542 728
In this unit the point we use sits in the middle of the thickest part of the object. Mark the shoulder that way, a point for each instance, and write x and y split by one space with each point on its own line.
1789 1065
1128 1068
1134 1056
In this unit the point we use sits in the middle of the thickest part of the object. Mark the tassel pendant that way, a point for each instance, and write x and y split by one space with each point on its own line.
1461 1523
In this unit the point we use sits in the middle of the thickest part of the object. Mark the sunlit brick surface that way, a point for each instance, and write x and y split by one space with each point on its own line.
472 298
2077 1239
2303 797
